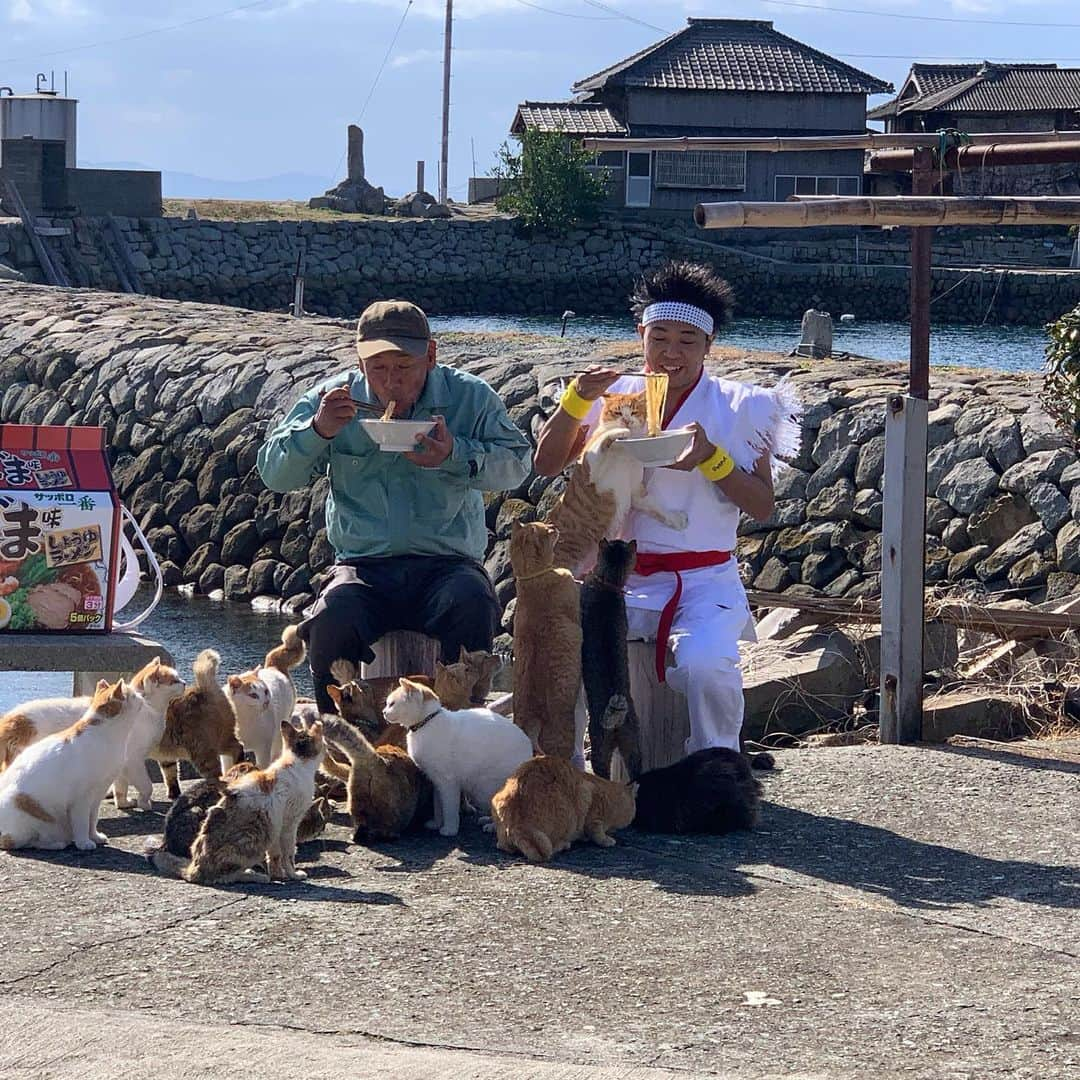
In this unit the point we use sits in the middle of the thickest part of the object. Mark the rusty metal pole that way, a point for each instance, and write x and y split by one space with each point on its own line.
903 530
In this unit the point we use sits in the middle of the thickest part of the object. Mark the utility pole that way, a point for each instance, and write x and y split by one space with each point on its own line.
447 34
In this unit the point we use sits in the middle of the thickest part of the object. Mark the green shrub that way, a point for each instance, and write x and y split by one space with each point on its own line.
1061 384
548 183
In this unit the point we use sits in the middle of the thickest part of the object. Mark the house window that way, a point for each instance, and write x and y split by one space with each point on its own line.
817 185
707 169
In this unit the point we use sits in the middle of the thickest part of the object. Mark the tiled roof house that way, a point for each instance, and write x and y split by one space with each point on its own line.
718 77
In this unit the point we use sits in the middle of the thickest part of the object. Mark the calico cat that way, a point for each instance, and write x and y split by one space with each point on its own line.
51 794
256 821
464 751
200 727
187 813
605 486
711 791
385 788
605 670
547 805
547 641
264 698
159 686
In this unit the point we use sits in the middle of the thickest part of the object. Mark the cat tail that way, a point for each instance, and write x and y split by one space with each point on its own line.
535 845
165 862
601 441
334 768
288 654
346 739
205 670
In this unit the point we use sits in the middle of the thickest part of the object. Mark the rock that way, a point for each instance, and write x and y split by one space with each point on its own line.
295 544
236 579
870 468
995 523
968 485
819 568
1029 539
938 515
240 544
790 484
1049 504
1070 477
1040 433
212 577
839 465
936 564
867 509
298 604
231 512
507 623
1074 504
945 458
833 503
171 574
940 425
1060 585
1001 443
217 469
977 418
322 554
1030 571
436 210
497 563
941 649
844 581
978 714
774 576
1045 466
955 535
800 541
505 591
511 511
180 498
166 543
963 562
195 526
238 422
200 558
1067 546
260 577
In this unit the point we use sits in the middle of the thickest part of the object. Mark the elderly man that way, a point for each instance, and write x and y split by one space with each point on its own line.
408 528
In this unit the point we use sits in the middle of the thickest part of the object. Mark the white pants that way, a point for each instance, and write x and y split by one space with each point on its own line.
711 618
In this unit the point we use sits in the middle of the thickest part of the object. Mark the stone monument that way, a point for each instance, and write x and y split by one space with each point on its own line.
354 195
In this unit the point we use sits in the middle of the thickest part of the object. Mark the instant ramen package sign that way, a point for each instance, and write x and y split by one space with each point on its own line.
59 529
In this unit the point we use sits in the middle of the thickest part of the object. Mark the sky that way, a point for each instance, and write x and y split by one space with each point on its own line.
240 91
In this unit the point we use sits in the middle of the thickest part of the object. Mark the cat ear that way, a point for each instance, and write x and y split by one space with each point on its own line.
316 729
632 547
334 693
440 667
287 730
119 691
102 684
463 655
235 682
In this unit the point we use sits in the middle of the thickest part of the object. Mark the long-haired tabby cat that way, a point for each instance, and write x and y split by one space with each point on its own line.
547 640
200 727
605 486
605 669
711 791
256 820
51 794
386 791
188 812
548 804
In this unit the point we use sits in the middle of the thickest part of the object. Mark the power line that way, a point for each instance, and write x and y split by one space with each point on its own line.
917 58
141 34
924 18
622 15
565 14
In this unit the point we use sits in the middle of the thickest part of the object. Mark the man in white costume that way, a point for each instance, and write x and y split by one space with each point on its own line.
686 592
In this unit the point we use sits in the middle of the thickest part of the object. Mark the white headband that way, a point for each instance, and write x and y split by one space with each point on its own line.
676 311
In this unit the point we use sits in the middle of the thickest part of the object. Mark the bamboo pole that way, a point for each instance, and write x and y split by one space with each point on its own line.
982 156
869 141
888 210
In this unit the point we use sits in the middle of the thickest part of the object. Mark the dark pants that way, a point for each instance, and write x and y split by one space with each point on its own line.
451 599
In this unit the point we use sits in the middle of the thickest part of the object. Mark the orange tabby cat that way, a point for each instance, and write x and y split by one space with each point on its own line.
606 485
547 640
547 805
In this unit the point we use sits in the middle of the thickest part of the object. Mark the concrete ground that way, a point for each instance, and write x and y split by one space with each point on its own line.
899 912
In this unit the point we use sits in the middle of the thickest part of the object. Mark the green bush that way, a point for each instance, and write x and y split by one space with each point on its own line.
1061 384
548 183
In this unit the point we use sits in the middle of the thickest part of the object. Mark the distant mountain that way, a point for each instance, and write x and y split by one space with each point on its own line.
180 185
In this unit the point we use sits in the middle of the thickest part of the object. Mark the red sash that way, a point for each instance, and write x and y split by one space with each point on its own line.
672 562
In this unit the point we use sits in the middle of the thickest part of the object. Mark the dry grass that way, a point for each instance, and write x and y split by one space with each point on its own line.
288 210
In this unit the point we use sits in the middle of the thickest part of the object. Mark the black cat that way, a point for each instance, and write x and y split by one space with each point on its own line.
605 671
711 791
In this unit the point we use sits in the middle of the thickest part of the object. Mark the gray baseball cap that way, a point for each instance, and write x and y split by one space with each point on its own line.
392 325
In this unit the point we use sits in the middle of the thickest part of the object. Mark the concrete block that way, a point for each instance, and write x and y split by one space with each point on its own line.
971 712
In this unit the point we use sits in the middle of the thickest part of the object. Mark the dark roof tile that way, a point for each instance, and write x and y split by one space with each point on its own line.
572 117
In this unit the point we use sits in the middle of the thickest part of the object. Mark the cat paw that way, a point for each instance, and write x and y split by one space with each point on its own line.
146 804
604 841
298 875
677 519
100 838
124 803
86 845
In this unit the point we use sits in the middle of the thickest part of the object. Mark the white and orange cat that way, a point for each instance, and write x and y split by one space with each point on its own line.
51 794
606 485
264 699
157 684
256 820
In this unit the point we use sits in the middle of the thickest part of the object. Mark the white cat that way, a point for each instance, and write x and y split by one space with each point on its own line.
158 685
262 699
463 751
51 794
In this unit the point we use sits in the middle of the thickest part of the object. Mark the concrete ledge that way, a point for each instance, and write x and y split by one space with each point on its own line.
82 652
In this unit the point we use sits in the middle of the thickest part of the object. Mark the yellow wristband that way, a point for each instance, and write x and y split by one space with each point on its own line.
574 404
717 465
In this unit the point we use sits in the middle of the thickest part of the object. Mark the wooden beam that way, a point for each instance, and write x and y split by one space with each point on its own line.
54 274
888 210
983 156
869 141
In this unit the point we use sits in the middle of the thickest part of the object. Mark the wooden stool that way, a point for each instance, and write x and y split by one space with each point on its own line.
402 652
89 656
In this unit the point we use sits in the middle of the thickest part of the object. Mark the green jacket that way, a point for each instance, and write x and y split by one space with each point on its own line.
382 504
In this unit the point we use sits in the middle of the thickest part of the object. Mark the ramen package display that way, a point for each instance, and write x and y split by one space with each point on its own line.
59 529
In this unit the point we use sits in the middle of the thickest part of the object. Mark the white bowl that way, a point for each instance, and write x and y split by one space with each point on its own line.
396 436
656 450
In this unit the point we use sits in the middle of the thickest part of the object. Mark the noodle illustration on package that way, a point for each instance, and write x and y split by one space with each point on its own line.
59 529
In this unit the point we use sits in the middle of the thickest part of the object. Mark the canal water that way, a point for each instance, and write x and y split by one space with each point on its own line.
1006 348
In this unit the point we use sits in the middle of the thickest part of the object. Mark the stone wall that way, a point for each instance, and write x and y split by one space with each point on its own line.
187 392
487 266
